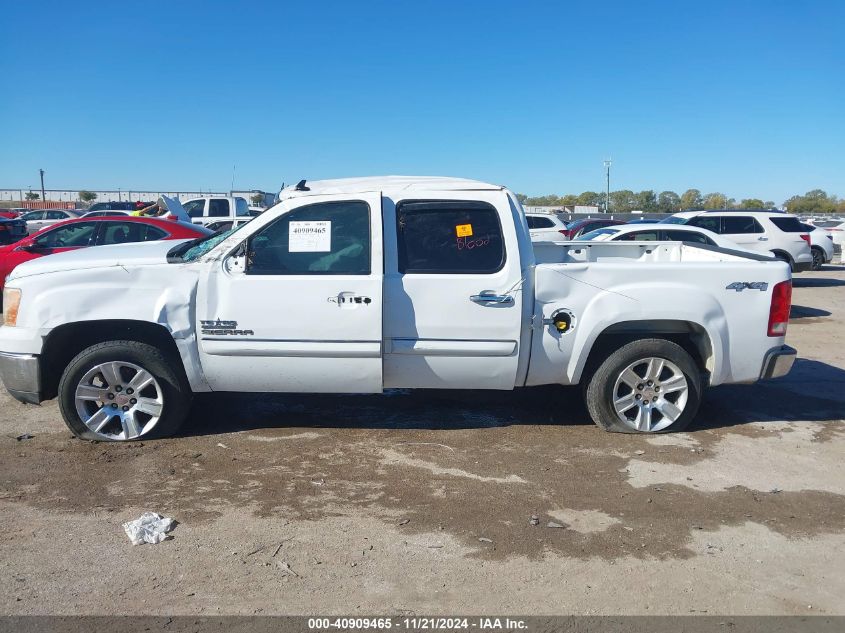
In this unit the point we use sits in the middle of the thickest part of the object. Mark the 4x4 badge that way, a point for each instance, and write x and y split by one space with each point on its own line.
739 286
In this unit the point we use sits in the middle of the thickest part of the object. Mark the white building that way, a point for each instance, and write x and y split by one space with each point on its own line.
112 195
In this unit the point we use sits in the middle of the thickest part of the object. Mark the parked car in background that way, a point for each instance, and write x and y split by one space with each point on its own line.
11 230
577 227
221 226
114 206
212 208
546 227
643 221
661 233
834 226
101 214
821 245
37 220
764 231
12 213
82 233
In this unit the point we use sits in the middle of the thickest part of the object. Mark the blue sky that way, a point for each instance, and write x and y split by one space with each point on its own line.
747 98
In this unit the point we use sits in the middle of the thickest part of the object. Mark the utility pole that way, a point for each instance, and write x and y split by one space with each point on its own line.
43 197
607 164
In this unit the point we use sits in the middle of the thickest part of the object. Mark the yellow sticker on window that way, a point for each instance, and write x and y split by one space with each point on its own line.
464 230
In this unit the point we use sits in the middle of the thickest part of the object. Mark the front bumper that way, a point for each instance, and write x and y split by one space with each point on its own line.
778 362
802 267
21 376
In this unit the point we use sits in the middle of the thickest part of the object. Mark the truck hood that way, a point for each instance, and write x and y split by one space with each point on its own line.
125 255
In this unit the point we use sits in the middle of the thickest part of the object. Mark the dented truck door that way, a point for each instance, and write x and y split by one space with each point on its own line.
298 306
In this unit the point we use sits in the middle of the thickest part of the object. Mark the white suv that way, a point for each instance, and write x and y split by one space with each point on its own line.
546 227
770 232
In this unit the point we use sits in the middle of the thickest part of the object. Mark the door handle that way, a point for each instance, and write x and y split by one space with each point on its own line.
762 239
489 297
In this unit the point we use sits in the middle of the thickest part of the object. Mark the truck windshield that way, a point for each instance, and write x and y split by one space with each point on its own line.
193 250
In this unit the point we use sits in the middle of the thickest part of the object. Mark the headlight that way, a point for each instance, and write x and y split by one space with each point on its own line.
11 304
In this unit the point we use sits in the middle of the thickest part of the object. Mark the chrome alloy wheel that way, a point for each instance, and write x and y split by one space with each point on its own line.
650 394
119 400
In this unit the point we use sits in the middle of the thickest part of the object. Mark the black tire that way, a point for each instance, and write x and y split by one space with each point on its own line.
176 393
599 394
818 258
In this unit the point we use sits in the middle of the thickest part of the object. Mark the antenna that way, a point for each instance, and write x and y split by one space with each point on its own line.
607 163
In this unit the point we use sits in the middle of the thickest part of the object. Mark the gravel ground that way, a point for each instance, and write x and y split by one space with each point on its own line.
421 502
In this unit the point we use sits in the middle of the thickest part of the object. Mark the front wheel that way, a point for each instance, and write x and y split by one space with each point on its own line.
123 390
647 386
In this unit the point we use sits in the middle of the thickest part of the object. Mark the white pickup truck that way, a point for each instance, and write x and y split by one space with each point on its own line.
368 284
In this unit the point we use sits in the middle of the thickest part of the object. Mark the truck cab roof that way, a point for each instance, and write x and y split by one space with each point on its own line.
384 183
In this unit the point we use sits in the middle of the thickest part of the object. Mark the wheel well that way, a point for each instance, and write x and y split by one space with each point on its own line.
692 337
782 255
66 341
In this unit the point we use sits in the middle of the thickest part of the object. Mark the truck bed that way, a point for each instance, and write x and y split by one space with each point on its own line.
653 252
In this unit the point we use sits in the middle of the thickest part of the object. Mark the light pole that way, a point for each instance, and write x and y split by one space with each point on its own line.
43 197
607 164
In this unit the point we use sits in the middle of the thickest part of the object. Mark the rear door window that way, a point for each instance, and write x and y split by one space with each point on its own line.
125 232
454 237
536 222
218 208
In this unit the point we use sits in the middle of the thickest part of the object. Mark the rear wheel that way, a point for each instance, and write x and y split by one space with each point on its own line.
647 386
121 391
818 258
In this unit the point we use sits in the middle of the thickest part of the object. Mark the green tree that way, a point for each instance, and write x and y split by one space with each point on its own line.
521 197
815 201
691 200
622 201
752 203
717 200
257 199
590 198
646 201
87 196
32 196
668 202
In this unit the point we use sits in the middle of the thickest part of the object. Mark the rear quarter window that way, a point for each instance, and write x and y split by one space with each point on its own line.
788 225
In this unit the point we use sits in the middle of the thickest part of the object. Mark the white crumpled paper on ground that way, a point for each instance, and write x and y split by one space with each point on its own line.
150 527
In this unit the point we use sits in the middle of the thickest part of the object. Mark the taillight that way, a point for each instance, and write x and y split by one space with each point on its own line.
805 237
779 310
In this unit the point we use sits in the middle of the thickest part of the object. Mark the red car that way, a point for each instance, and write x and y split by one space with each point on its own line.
84 232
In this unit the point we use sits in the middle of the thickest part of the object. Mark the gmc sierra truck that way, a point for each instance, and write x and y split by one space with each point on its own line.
362 285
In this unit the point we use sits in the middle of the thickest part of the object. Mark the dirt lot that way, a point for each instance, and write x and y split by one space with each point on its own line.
421 502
